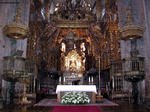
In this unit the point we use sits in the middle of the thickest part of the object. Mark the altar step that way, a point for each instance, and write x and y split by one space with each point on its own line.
122 96
123 107
51 96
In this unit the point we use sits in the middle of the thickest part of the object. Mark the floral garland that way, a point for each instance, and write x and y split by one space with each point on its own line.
75 98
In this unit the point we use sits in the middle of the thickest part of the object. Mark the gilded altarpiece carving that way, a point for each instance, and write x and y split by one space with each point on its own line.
101 37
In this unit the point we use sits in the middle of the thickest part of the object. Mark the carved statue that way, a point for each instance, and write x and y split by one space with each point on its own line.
69 4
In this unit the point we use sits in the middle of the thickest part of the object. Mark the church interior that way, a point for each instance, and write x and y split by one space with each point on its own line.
99 46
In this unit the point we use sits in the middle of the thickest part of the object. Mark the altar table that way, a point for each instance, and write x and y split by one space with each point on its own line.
89 89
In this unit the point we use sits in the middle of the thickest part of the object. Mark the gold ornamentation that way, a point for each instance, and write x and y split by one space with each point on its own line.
72 15
16 29
73 24
73 62
131 31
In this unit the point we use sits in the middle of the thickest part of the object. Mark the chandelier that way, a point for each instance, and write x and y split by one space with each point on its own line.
130 30
17 29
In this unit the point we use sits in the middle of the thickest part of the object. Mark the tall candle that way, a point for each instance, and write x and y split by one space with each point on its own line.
64 79
89 80
92 79
59 79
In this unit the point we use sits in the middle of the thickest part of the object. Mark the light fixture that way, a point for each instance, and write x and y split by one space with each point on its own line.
131 30
17 29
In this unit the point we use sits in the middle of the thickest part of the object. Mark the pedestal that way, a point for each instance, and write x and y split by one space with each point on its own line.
135 79
135 92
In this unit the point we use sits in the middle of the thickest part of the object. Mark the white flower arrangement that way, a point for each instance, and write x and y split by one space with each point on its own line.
75 98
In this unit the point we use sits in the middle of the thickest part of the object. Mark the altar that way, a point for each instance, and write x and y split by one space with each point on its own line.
89 89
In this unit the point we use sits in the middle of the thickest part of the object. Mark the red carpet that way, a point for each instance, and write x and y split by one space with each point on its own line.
76 109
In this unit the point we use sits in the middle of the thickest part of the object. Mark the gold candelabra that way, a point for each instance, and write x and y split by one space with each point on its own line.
25 80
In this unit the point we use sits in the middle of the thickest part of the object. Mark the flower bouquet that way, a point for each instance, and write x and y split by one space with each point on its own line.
75 98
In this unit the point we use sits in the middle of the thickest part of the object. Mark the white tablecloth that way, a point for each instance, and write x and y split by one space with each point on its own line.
85 88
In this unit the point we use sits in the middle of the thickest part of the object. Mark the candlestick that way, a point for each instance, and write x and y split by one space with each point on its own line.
99 78
99 73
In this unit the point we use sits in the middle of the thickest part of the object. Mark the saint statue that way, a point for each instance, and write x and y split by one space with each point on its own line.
72 64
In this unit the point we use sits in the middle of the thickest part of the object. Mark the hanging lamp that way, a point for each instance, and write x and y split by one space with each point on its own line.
17 29
131 30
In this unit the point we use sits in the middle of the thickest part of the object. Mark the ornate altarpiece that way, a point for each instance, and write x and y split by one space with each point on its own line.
101 38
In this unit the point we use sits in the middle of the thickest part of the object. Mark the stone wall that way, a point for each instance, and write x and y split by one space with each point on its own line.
146 47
